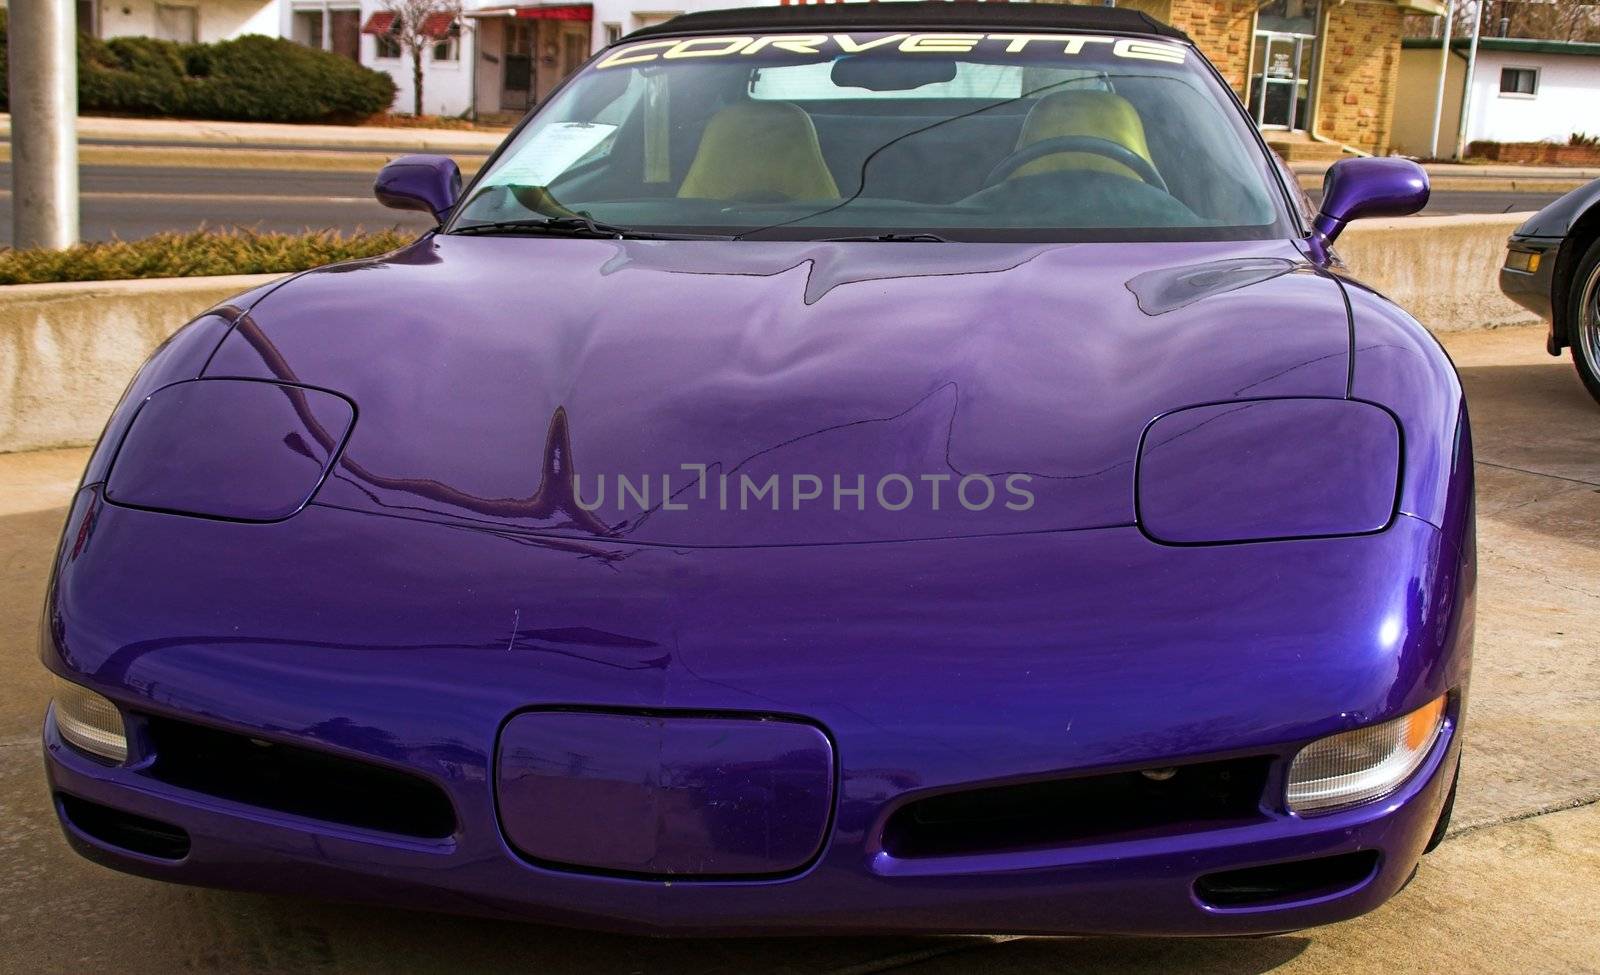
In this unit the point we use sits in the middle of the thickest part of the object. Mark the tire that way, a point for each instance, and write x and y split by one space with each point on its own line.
1443 825
1583 320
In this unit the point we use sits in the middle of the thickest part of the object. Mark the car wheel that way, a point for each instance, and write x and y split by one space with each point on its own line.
1585 320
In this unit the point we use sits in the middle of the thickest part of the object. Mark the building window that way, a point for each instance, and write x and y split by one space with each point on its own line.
613 33
174 23
307 28
389 40
1289 16
88 14
448 47
1522 82
328 27
651 18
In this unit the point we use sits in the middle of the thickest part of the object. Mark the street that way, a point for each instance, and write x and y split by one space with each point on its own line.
1512 890
135 201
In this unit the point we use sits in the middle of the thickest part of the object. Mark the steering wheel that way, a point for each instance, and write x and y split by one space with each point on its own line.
1113 151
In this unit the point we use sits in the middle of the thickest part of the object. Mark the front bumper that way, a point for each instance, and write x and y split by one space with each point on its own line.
931 666
1534 290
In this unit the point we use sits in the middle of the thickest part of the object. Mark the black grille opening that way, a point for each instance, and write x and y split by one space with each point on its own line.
1297 880
124 830
300 781
1094 808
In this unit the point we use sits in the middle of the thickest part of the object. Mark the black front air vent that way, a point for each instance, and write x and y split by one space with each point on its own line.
296 780
1282 883
1085 809
124 830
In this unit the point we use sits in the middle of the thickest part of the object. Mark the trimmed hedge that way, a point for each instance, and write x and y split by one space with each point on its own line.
1536 153
199 252
252 78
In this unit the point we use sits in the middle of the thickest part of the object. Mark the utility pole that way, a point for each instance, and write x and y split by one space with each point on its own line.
1444 71
43 58
1466 87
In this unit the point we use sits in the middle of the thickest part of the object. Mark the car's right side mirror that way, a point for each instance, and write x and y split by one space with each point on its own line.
421 182
1370 187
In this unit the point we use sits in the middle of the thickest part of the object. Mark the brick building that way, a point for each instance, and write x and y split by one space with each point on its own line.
1316 74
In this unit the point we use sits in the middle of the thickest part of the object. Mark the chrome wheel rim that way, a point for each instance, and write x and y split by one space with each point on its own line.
1589 322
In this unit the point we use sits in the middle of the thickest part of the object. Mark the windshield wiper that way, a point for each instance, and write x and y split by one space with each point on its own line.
573 226
896 238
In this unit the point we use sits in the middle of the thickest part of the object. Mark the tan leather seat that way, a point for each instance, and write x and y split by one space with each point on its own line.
759 151
1101 114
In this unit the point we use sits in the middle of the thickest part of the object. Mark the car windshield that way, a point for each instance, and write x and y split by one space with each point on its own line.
957 136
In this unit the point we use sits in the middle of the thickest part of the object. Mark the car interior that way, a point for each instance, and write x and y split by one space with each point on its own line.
717 146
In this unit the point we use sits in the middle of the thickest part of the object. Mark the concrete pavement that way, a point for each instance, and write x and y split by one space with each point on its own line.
1512 890
131 202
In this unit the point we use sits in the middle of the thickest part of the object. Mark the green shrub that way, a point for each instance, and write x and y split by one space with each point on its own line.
252 78
199 252
305 84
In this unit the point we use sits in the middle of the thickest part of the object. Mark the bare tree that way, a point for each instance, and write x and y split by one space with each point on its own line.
419 25
1558 20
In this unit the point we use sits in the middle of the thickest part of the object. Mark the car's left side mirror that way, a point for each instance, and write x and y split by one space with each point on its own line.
1371 187
427 183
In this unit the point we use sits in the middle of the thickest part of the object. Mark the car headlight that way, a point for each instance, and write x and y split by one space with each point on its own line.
242 450
1255 470
89 722
1368 763
1522 260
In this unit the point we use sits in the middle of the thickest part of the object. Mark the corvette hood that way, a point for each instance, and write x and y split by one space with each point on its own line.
775 393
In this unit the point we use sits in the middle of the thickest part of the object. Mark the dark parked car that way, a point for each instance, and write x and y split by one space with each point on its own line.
868 467
1553 268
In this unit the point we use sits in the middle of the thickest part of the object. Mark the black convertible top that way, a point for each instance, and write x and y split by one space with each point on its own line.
900 16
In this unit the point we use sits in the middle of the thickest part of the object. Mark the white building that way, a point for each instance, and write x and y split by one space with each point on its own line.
178 20
1523 90
501 57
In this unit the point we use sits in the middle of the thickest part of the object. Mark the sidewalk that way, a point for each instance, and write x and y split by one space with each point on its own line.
1470 178
1494 171
244 135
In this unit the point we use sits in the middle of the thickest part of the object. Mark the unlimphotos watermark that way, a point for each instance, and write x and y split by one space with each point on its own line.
795 492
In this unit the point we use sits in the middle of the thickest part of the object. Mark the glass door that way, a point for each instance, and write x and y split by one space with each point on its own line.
1280 80
516 86
1284 60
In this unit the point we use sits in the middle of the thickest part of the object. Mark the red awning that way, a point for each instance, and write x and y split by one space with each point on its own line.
437 25
538 11
381 22
570 11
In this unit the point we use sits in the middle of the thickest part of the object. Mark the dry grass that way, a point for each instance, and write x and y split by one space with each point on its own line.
199 252
395 120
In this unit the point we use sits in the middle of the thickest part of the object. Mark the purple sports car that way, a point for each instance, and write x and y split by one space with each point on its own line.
836 468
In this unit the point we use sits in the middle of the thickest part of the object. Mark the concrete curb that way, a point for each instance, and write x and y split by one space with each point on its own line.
68 350
1443 270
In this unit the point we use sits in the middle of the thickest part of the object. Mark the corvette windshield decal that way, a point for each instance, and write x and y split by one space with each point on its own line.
822 45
